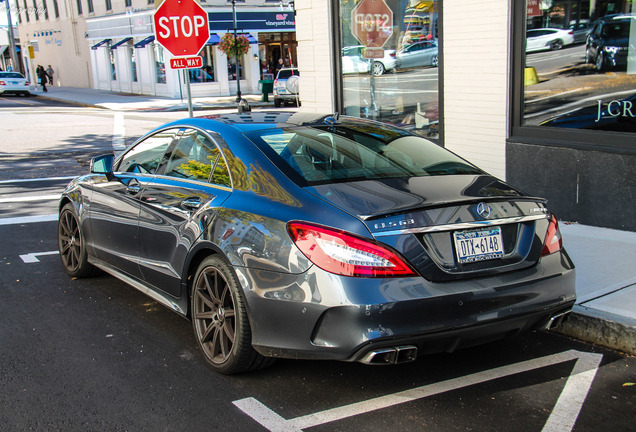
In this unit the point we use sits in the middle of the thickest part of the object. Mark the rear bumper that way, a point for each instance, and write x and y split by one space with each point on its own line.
317 315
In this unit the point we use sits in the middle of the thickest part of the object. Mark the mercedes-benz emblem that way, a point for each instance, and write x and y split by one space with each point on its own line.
483 210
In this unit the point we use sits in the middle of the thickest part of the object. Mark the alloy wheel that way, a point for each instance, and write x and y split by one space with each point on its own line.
214 315
69 240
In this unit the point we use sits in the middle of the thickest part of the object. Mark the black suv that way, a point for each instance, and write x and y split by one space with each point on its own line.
608 43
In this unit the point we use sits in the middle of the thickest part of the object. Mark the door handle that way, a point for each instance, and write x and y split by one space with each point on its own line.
191 203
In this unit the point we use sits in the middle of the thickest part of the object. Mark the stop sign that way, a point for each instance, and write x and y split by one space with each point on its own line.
372 23
181 27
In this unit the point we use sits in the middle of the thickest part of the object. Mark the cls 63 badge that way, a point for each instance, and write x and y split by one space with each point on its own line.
394 224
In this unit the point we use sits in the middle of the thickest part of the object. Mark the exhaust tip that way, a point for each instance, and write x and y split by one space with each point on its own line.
387 356
380 357
557 320
406 354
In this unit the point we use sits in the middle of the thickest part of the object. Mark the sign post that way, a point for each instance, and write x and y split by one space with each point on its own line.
372 25
182 28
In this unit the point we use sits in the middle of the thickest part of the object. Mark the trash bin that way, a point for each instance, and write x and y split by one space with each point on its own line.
267 87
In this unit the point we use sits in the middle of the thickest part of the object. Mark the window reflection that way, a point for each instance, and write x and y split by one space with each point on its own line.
207 72
397 83
160 65
591 83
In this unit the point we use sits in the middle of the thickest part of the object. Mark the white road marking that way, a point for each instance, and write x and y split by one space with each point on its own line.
28 219
563 415
119 132
30 198
33 257
36 179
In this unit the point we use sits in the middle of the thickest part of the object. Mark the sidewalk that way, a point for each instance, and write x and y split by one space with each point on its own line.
605 259
130 102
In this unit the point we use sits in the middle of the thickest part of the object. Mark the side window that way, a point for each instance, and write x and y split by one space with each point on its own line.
148 154
197 158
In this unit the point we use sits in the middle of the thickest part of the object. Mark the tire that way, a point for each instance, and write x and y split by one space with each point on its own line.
70 241
434 61
588 56
556 45
378 68
600 62
277 103
219 319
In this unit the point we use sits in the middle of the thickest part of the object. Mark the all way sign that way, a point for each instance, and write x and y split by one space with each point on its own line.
186 62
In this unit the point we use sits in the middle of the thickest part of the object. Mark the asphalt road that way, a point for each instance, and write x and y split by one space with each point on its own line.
95 354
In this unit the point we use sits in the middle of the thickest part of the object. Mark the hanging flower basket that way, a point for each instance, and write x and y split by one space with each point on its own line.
231 46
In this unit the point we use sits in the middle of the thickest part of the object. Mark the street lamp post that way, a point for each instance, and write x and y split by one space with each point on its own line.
236 56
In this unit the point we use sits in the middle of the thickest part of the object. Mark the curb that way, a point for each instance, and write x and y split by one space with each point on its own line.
178 106
601 328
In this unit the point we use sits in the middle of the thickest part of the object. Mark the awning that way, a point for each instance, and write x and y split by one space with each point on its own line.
249 37
121 42
97 45
144 42
214 39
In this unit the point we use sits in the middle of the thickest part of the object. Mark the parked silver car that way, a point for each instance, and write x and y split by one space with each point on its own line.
286 87
418 54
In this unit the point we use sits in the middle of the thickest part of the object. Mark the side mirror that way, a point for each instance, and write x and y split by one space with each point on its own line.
103 165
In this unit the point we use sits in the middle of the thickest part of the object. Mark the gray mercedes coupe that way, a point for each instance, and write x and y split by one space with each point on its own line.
295 235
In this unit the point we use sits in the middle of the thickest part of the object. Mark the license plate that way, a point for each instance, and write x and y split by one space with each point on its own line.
478 245
14 82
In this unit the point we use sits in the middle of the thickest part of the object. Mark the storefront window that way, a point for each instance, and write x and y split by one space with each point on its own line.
390 63
580 65
231 68
207 73
113 69
160 65
133 61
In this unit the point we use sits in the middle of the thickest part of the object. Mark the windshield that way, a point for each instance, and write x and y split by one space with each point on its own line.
317 155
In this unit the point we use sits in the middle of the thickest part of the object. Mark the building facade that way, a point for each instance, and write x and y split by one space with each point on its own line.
110 45
552 116
558 122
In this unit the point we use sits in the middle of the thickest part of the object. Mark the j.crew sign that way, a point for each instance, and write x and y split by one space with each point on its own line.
615 108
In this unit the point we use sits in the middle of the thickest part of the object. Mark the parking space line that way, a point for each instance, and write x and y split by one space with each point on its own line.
28 198
563 415
33 256
37 179
119 132
28 219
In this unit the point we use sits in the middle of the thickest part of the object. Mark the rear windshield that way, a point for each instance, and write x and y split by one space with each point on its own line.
10 75
286 73
317 155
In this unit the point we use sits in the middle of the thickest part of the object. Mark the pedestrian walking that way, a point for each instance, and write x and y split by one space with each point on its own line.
50 72
42 77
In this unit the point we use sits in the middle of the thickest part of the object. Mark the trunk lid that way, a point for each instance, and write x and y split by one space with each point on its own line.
448 227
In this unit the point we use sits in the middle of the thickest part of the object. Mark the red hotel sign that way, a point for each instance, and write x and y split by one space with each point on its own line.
532 8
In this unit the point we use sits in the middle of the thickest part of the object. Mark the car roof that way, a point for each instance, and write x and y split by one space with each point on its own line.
251 121
617 17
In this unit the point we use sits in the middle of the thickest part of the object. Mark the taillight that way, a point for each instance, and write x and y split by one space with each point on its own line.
553 242
26 83
2 83
392 54
342 253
